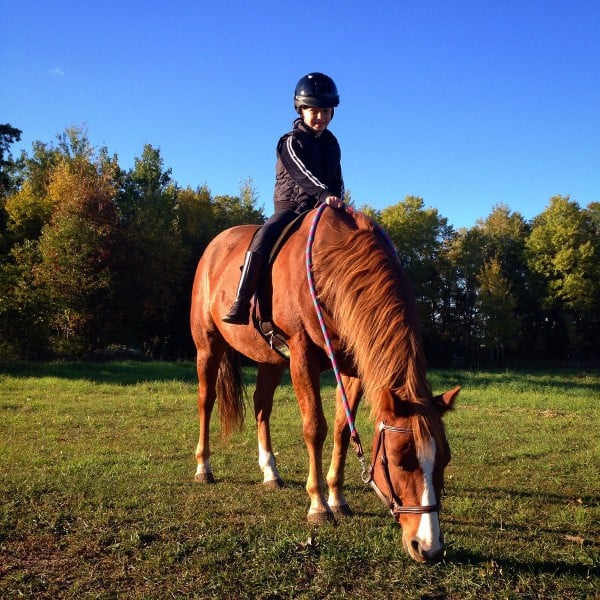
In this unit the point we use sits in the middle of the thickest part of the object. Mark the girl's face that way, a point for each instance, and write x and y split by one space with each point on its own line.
317 119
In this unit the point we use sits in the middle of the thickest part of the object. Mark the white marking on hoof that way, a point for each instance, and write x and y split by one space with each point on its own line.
266 462
204 472
336 499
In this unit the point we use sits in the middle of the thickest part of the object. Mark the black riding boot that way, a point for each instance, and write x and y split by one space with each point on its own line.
239 313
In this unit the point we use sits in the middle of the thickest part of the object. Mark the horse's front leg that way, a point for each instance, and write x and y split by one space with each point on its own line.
306 381
267 380
341 441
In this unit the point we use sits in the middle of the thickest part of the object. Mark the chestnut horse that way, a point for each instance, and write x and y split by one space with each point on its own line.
371 316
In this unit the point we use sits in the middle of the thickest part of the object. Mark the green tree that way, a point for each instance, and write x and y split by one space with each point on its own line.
59 272
8 136
371 212
153 277
466 260
78 254
563 249
27 212
196 224
24 306
30 207
593 214
196 220
249 197
505 234
420 234
230 211
498 326
504 237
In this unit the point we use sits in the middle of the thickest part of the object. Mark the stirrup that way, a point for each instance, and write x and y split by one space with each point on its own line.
276 341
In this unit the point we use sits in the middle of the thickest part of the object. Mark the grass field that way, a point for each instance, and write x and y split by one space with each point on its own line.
98 498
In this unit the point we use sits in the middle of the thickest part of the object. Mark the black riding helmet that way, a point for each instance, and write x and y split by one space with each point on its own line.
316 90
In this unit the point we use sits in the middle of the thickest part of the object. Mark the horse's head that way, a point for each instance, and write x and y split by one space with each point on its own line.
410 453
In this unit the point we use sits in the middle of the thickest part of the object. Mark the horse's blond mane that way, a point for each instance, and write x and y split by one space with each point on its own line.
363 287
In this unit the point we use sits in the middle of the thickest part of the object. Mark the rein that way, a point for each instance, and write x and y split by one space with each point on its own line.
392 502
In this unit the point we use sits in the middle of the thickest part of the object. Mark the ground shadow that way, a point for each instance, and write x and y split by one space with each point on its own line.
590 500
116 373
460 556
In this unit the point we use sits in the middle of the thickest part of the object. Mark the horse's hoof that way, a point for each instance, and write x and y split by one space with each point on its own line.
274 484
204 478
321 518
342 510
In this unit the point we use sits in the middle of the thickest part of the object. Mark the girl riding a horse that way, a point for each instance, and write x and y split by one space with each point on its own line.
308 171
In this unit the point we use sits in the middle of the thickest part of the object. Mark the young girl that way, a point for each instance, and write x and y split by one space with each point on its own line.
308 171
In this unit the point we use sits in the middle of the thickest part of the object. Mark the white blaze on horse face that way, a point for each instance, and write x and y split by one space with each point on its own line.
266 462
429 534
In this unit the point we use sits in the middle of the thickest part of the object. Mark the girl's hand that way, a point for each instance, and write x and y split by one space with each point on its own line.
334 202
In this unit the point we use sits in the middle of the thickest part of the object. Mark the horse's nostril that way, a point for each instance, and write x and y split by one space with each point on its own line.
431 555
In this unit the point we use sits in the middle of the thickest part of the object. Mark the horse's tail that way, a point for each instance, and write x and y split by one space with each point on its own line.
231 392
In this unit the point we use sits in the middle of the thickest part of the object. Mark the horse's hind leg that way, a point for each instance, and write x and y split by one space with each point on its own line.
267 380
207 365
341 440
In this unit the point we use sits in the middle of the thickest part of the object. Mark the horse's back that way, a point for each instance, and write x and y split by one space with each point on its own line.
226 245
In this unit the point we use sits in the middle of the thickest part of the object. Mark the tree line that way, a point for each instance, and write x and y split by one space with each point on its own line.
94 257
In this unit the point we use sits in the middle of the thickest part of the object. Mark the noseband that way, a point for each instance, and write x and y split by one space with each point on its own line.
391 500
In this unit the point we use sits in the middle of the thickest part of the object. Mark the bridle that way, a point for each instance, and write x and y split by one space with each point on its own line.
391 500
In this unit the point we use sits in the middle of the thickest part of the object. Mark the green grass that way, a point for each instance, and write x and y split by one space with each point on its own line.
98 498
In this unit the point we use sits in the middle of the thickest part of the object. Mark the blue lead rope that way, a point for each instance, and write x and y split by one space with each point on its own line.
313 294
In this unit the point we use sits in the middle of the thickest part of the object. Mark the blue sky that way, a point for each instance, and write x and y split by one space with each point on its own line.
466 104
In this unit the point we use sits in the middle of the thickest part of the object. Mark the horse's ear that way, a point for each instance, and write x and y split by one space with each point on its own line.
445 402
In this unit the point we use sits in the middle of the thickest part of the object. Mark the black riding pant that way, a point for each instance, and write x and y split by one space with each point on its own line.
267 235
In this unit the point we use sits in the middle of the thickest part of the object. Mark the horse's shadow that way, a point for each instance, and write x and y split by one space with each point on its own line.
463 557
544 497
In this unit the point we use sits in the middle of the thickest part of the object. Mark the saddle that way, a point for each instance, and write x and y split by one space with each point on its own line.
262 308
